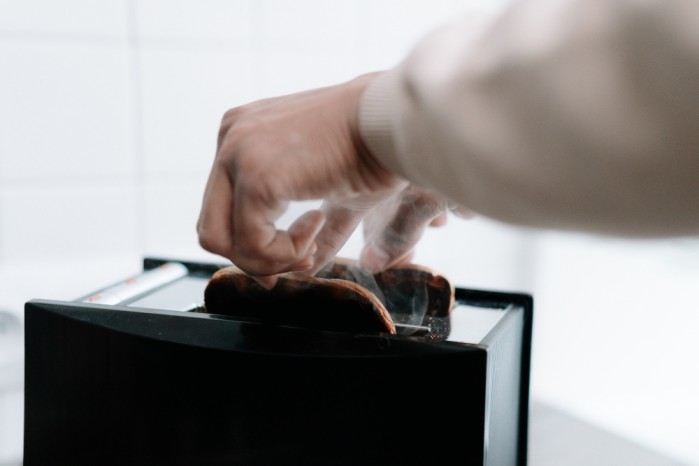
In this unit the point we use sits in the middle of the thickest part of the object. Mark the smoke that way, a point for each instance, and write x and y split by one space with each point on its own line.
401 291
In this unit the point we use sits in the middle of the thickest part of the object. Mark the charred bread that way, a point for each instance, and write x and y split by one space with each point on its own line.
342 297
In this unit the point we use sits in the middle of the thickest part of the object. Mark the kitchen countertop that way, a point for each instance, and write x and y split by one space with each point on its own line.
559 439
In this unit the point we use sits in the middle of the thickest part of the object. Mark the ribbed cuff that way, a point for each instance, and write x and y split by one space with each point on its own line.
378 117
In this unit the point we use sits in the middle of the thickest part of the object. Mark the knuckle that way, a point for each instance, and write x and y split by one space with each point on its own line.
221 137
209 241
232 115
206 243
231 124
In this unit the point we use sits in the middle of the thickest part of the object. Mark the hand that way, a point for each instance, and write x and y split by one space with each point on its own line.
297 147
393 229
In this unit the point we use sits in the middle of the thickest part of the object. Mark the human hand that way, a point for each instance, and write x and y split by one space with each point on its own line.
298 147
393 229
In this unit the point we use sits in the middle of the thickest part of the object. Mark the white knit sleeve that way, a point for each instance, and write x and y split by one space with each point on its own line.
572 114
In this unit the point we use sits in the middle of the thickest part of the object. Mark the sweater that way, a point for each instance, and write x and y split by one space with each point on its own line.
567 114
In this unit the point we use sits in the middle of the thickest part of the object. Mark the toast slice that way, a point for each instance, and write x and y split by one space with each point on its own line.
342 297
410 292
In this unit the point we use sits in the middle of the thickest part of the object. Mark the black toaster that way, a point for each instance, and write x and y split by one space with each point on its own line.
138 373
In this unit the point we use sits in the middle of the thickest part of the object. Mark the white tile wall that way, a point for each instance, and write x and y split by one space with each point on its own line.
185 92
390 28
287 67
225 22
66 111
171 211
61 221
108 118
312 20
43 19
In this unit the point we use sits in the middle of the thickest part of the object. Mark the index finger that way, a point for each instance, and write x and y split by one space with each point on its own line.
214 226
261 248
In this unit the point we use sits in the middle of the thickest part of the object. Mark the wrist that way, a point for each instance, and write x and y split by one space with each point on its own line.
374 173
376 120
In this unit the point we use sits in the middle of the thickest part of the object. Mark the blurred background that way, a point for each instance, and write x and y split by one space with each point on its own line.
109 113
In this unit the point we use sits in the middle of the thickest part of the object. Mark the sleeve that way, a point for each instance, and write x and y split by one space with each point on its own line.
565 114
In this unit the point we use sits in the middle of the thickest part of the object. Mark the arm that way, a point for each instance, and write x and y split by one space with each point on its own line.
579 114
574 114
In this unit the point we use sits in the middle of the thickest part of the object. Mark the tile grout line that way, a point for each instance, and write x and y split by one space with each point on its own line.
2 249
135 74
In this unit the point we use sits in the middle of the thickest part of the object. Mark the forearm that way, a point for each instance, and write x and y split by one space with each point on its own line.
578 114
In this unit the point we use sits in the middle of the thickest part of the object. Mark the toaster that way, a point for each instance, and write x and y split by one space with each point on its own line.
138 373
